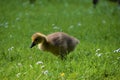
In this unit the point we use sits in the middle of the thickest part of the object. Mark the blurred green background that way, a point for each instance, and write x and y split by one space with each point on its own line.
97 57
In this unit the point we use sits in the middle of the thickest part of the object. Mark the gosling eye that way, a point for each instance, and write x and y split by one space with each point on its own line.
36 40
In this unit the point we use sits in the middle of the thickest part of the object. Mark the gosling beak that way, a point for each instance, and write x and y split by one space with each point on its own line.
32 45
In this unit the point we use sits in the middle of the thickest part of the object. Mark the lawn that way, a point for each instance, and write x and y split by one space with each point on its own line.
96 57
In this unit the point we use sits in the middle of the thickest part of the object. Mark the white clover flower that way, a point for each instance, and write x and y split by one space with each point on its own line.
10 49
42 67
53 24
90 12
79 24
18 75
26 14
97 50
98 54
45 72
116 51
71 26
24 4
17 18
20 64
39 62
55 27
103 21
11 36
30 57
6 25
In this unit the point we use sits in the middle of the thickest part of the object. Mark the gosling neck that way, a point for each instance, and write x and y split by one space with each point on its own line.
45 41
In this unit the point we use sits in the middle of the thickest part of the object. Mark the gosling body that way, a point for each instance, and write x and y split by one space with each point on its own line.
58 43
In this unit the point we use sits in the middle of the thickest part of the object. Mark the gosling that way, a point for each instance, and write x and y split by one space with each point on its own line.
58 43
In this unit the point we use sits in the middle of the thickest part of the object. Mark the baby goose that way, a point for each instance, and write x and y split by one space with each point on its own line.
59 43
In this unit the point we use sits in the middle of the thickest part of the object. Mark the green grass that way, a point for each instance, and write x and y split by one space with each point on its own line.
95 28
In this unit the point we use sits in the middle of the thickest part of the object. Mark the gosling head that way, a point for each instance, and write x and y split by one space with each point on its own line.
37 38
